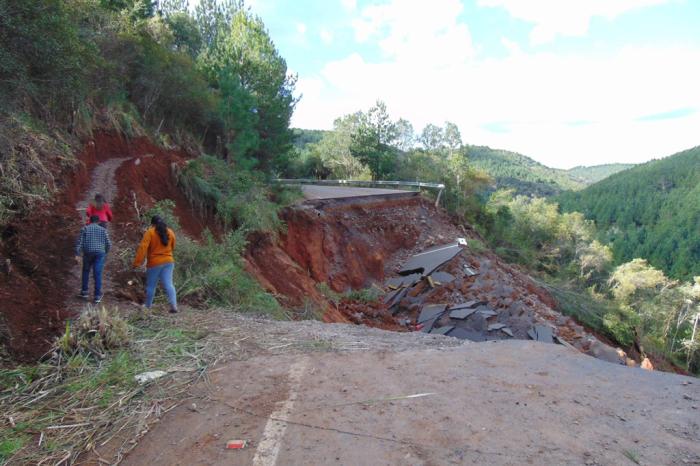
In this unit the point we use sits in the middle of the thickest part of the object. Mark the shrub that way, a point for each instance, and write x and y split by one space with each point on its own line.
95 332
213 273
238 197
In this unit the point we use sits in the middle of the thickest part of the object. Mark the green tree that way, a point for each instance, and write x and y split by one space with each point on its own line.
246 58
432 138
372 142
333 150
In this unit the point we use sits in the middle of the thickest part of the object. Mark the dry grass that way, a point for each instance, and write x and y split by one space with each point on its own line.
86 398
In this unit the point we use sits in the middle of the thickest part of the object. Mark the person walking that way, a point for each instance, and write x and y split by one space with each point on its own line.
100 208
157 248
92 247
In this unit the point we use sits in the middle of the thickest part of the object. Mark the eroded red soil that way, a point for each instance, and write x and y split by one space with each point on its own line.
34 294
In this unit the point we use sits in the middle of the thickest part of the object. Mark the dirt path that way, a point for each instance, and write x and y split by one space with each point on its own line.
103 181
343 401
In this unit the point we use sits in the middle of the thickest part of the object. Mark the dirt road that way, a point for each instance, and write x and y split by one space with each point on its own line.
507 402
103 181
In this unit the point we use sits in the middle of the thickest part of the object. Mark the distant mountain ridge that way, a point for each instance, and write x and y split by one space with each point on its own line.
650 211
519 172
595 173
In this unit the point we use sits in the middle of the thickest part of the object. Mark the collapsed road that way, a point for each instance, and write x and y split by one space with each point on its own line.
348 238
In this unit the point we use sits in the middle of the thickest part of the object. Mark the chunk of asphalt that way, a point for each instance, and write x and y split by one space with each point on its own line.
496 326
466 334
442 330
428 261
397 299
507 331
469 272
442 277
428 325
486 312
544 333
467 304
392 295
407 281
431 311
532 334
461 313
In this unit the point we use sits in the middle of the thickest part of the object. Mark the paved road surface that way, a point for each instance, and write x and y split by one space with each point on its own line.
314 192
514 402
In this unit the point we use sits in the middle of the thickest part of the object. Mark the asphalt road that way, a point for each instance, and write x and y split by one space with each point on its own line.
511 402
314 192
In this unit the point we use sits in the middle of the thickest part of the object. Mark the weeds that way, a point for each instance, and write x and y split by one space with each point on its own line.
238 197
71 404
366 295
96 331
213 273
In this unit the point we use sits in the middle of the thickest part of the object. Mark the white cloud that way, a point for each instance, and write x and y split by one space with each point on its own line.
301 28
349 5
407 31
561 110
554 18
326 36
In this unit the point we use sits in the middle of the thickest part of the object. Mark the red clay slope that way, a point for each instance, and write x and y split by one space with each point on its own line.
40 245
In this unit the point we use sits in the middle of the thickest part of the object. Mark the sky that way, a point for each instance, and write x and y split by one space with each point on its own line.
574 82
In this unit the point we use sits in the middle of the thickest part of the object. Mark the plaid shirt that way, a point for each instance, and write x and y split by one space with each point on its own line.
93 239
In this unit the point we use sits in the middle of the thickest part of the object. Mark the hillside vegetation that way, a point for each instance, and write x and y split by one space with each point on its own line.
590 175
650 211
511 170
207 79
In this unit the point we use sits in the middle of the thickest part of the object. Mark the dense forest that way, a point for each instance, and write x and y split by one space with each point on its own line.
521 173
590 175
650 211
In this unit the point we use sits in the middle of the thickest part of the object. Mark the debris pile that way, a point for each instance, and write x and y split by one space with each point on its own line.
446 290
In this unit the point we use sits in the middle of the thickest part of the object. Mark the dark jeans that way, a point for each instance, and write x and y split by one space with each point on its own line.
96 262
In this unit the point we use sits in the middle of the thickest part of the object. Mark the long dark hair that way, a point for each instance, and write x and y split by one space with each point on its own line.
161 229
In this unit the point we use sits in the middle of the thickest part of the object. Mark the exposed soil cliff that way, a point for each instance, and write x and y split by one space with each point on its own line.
35 288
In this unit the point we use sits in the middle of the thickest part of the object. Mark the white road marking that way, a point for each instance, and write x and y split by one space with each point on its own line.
271 440
436 250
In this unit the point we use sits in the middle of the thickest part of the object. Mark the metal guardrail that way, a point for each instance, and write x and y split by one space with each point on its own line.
365 183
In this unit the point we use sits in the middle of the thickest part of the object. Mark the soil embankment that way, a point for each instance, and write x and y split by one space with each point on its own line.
38 285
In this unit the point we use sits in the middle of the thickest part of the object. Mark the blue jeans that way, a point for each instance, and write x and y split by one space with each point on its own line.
164 273
96 262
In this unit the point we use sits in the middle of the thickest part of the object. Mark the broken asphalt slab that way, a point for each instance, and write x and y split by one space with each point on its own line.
428 261
468 304
429 315
461 313
541 333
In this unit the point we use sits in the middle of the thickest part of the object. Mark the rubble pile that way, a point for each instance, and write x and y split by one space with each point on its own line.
448 290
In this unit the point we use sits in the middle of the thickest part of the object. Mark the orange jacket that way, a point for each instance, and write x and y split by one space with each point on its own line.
152 248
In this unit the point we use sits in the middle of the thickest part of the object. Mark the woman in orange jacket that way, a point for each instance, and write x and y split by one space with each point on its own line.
157 247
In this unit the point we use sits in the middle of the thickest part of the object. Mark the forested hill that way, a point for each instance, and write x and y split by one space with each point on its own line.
650 211
526 176
590 175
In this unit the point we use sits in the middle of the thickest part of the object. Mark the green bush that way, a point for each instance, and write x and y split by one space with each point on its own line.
212 273
238 197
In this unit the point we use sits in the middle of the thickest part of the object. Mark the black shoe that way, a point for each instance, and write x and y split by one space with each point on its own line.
98 298
83 295
173 310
